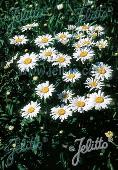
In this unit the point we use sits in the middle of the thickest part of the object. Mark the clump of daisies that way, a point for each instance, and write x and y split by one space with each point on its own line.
81 43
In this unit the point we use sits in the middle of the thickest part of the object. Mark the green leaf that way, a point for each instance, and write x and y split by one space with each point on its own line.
36 144
21 167
109 165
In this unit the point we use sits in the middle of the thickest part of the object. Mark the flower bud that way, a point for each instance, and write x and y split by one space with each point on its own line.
11 127
35 78
60 6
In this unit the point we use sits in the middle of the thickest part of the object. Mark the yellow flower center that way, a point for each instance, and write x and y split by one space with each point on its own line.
101 70
45 89
99 99
62 36
31 109
80 104
71 76
27 61
44 39
18 40
85 27
65 96
61 111
78 36
61 59
93 84
86 43
101 45
94 35
83 54
48 53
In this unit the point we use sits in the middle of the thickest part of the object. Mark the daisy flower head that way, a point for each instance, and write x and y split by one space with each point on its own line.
71 76
27 61
86 42
93 35
80 104
99 100
62 60
77 45
63 37
102 71
84 28
78 35
83 54
83 42
61 112
96 28
19 40
99 29
102 44
71 27
65 96
93 83
28 26
44 90
48 54
44 40
30 110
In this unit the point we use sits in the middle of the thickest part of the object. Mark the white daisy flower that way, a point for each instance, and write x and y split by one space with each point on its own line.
102 71
63 37
30 110
93 83
78 35
62 60
61 112
102 44
71 27
80 104
82 43
44 40
29 26
86 42
95 30
77 45
99 29
84 28
18 40
27 61
93 34
83 54
44 90
65 96
48 54
99 100
71 75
